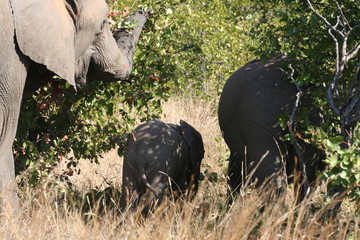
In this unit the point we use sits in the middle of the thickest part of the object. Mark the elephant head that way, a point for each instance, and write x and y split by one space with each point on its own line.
72 39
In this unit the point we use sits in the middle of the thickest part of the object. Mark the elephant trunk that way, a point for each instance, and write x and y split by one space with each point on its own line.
113 62
127 39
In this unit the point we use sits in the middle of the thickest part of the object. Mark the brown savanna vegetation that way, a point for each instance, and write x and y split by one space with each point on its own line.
48 214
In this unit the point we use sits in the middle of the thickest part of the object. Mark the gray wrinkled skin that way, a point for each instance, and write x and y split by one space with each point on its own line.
253 99
40 38
160 158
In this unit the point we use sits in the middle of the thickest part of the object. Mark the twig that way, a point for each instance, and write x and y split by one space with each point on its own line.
353 52
301 164
298 94
325 20
345 21
333 86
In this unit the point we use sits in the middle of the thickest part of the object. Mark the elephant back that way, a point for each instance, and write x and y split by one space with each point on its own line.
254 97
157 141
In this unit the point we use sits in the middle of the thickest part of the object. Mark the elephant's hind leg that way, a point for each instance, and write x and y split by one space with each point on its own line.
236 170
154 197
130 195
268 164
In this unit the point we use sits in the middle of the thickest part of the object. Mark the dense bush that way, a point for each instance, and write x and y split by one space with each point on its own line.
291 28
187 47
190 47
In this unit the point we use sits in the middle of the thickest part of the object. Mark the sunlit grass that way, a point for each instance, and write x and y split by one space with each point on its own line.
45 215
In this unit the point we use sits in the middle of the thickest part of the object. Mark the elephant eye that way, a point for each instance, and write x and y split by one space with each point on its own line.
103 24
102 27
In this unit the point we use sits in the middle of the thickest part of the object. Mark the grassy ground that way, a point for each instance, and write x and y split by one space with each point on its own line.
45 216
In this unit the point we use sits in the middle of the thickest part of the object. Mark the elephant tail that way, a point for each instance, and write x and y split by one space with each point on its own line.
146 182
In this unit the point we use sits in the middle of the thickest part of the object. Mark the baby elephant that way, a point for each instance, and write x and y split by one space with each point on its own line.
160 158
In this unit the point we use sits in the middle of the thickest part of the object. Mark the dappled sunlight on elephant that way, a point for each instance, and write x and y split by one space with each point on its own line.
160 159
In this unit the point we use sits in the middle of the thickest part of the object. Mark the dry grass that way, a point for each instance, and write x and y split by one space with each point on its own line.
44 216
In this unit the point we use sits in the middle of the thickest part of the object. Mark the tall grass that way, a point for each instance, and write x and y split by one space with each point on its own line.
252 216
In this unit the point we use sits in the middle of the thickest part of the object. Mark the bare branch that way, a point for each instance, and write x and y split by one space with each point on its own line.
349 109
298 94
353 52
331 100
356 27
345 21
355 119
355 94
341 58
357 75
329 25
356 82
332 87
301 164
336 52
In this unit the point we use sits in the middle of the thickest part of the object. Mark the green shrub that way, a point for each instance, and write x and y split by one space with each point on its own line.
344 165
190 48
186 47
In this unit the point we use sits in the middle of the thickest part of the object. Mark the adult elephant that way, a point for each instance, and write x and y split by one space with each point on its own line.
69 38
160 158
252 100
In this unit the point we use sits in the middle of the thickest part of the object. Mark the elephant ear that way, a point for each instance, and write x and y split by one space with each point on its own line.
194 141
186 132
45 32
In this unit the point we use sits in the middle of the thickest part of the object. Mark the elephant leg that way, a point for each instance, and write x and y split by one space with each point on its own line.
130 194
12 82
236 170
13 70
267 163
254 165
313 161
236 174
7 181
160 184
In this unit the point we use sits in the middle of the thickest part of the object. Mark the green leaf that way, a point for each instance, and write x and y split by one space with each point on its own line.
332 160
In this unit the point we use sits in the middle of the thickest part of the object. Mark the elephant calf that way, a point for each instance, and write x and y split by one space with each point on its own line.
160 158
